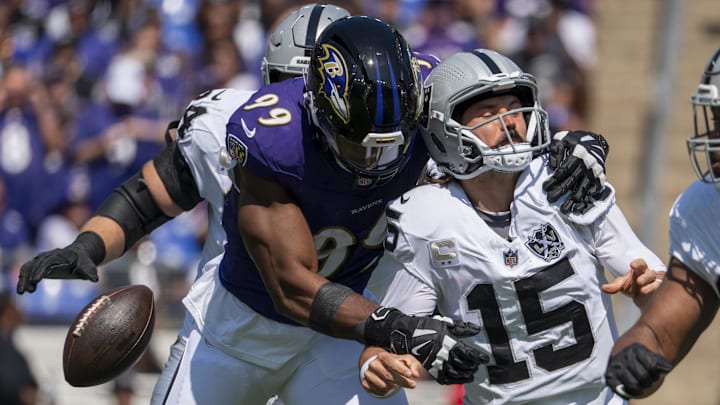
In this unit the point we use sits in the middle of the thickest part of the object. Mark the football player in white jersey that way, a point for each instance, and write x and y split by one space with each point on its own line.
489 249
687 301
192 168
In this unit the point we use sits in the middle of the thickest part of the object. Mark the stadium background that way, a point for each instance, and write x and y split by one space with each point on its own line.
625 69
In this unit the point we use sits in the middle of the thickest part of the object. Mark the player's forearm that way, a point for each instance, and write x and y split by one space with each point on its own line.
111 235
310 299
349 316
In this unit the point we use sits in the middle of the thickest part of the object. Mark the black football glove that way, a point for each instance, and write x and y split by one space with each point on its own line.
434 341
76 261
578 161
634 369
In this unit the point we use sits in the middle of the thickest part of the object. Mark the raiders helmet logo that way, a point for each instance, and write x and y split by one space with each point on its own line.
545 243
334 73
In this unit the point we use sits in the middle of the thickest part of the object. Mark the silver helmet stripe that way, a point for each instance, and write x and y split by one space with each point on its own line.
712 69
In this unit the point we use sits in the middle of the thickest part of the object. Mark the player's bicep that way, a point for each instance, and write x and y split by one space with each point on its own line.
158 191
274 231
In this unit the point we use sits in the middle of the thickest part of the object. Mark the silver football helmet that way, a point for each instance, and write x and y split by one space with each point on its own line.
461 79
704 146
291 43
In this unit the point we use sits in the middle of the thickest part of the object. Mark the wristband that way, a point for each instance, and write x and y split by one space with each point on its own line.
92 244
364 369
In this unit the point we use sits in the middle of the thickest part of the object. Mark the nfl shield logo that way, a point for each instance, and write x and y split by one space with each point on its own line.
511 257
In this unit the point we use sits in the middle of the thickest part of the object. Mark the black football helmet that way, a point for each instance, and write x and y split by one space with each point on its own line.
364 93
704 146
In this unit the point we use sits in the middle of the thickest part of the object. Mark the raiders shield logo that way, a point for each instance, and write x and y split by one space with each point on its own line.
545 243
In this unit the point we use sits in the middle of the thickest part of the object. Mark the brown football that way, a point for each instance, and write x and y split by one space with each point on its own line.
108 336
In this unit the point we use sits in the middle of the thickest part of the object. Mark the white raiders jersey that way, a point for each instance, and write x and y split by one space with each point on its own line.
545 321
201 138
695 231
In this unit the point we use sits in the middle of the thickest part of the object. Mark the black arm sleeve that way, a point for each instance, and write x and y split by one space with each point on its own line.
132 206
177 177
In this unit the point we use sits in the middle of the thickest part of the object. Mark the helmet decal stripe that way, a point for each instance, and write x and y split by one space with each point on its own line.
395 96
494 69
312 28
712 69
383 109
379 104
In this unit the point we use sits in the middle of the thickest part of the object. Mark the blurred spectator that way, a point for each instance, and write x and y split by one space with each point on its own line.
256 19
117 134
224 69
555 42
31 146
439 30
88 25
14 235
61 75
17 382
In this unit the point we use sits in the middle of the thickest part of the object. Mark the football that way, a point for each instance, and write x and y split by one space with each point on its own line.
108 336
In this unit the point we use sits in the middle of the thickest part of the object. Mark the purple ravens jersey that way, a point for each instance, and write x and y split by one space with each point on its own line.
272 136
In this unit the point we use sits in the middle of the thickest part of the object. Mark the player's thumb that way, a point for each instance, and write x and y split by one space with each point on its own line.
615 286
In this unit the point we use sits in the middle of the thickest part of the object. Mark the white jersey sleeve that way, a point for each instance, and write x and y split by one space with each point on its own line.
201 139
393 289
617 245
545 321
694 231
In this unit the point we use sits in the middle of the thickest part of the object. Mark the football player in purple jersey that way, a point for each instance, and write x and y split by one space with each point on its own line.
317 159
192 168
687 301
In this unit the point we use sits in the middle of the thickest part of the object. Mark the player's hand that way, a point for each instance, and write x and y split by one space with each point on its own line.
383 373
639 283
433 341
66 263
578 161
636 372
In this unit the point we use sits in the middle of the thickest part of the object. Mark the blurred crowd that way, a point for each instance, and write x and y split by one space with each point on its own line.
87 88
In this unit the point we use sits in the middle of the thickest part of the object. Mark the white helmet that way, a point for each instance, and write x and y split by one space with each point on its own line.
704 146
291 43
461 79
